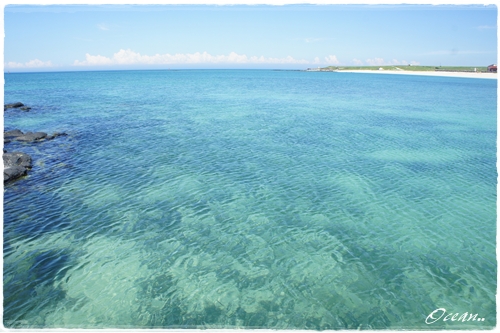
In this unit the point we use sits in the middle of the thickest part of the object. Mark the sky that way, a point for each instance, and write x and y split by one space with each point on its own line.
294 36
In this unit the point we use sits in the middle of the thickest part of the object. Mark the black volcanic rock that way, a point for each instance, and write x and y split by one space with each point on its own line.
55 135
12 134
18 135
12 105
32 137
16 164
17 105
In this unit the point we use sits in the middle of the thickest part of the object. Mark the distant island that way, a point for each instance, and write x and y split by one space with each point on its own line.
462 69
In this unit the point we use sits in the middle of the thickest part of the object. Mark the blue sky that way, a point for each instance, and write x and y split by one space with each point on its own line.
103 37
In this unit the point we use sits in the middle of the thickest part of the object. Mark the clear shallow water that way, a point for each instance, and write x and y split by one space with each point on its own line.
243 199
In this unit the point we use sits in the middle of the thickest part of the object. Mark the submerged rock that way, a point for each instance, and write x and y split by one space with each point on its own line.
12 134
31 137
12 105
16 164
17 105
55 135
18 135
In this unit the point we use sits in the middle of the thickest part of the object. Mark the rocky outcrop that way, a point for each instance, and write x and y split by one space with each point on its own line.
16 164
31 137
17 135
17 105
13 105
12 133
55 135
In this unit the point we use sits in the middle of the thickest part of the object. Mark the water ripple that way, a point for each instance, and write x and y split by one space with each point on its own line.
249 204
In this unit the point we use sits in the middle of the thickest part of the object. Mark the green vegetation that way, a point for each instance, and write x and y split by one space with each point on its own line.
409 68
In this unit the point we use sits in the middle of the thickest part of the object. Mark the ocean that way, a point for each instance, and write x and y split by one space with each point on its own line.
252 199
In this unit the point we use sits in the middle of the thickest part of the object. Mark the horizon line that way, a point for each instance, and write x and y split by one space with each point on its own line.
264 69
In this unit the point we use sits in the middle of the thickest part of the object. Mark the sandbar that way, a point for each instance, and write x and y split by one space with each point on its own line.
475 75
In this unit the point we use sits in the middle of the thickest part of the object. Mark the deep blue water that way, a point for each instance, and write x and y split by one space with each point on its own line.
251 199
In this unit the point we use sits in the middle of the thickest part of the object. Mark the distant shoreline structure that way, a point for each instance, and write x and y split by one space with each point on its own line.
466 72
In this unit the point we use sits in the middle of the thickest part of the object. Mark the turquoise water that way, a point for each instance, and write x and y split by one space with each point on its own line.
251 199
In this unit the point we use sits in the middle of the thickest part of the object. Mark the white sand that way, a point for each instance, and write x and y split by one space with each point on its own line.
454 74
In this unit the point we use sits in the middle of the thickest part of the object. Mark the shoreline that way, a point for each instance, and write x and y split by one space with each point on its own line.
425 73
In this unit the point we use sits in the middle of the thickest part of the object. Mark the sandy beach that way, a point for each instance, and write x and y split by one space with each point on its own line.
453 74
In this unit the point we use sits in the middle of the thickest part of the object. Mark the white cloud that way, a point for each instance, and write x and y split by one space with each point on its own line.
397 62
12 64
30 64
313 40
102 26
375 62
382 62
357 62
129 57
486 27
332 59
454 51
